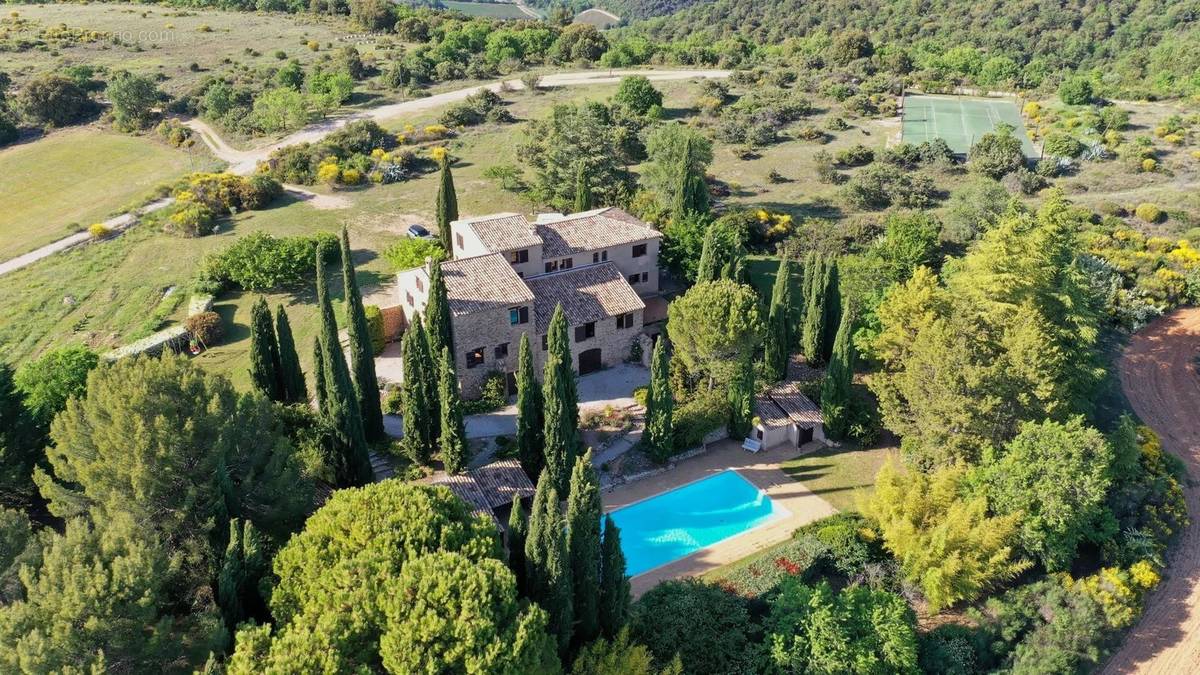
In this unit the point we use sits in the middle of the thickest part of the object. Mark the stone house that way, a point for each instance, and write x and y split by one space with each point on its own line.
508 274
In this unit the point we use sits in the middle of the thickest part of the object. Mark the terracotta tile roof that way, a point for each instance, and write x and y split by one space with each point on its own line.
502 480
489 486
587 294
483 282
589 230
784 403
503 231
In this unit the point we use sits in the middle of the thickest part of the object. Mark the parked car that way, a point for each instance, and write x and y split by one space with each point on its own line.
418 232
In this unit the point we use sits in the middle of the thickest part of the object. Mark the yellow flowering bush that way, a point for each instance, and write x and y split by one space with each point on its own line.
1119 591
437 154
99 230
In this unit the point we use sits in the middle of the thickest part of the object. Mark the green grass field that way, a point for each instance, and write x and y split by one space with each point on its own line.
62 183
959 121
839 475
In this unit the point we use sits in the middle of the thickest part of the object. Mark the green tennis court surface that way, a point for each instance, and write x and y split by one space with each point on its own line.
959 121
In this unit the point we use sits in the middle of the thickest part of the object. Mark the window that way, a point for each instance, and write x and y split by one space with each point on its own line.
474 357
518 315
645 277
544 343
408 297
625 321
458 240
518 257
420 285
599 256
501 351
586 331
555 265
639 250
635 278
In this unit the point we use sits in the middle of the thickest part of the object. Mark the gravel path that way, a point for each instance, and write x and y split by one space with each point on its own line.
243 162
1159 377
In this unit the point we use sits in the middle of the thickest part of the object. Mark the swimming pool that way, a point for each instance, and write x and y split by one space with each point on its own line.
673 524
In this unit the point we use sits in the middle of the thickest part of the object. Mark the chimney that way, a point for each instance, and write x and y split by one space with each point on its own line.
429 264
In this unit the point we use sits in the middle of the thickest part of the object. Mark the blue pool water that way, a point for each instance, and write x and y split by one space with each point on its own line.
673 524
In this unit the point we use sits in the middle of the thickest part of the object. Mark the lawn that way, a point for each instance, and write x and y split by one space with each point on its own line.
62 183
490 10
839 475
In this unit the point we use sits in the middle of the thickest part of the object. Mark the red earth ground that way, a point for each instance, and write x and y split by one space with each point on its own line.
1160 376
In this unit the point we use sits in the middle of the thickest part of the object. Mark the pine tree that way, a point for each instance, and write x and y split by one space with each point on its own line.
446 206
319 388
264 352
416 394
530 448
518 532
778 344
583 189
660 404
814 314
615 596
836 392
583 546
352 462
453 438
362 354
437 313
832 307
561 403
547 570
290 374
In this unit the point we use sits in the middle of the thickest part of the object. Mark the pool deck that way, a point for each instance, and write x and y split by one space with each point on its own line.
761 469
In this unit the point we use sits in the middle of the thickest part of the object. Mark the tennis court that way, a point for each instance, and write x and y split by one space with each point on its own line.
958 120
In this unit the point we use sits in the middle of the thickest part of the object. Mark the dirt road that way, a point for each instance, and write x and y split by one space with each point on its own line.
1160 375
243 162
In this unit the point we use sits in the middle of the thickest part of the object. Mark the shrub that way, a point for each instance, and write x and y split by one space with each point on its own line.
205 327
850 540
493 395
1148 212
640 394
703 624
375 328
802 556
856 155
99 230
393 401
1076 91
706 412
260 262
411 252
1149 165
191 220
1060 144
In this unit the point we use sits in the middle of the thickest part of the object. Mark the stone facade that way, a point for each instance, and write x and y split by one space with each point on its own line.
500 285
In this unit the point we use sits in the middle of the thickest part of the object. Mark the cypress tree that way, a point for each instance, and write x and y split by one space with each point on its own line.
417 392
446 206
693 191
741 398
264 352
583 189
777 347
814 314
583 546
362 354
320 390
836 392
518 532
832 308
242 569
437 313
530 448
294 389
547 571
561 403
708 268
615 596
352 462
453 438
660 404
